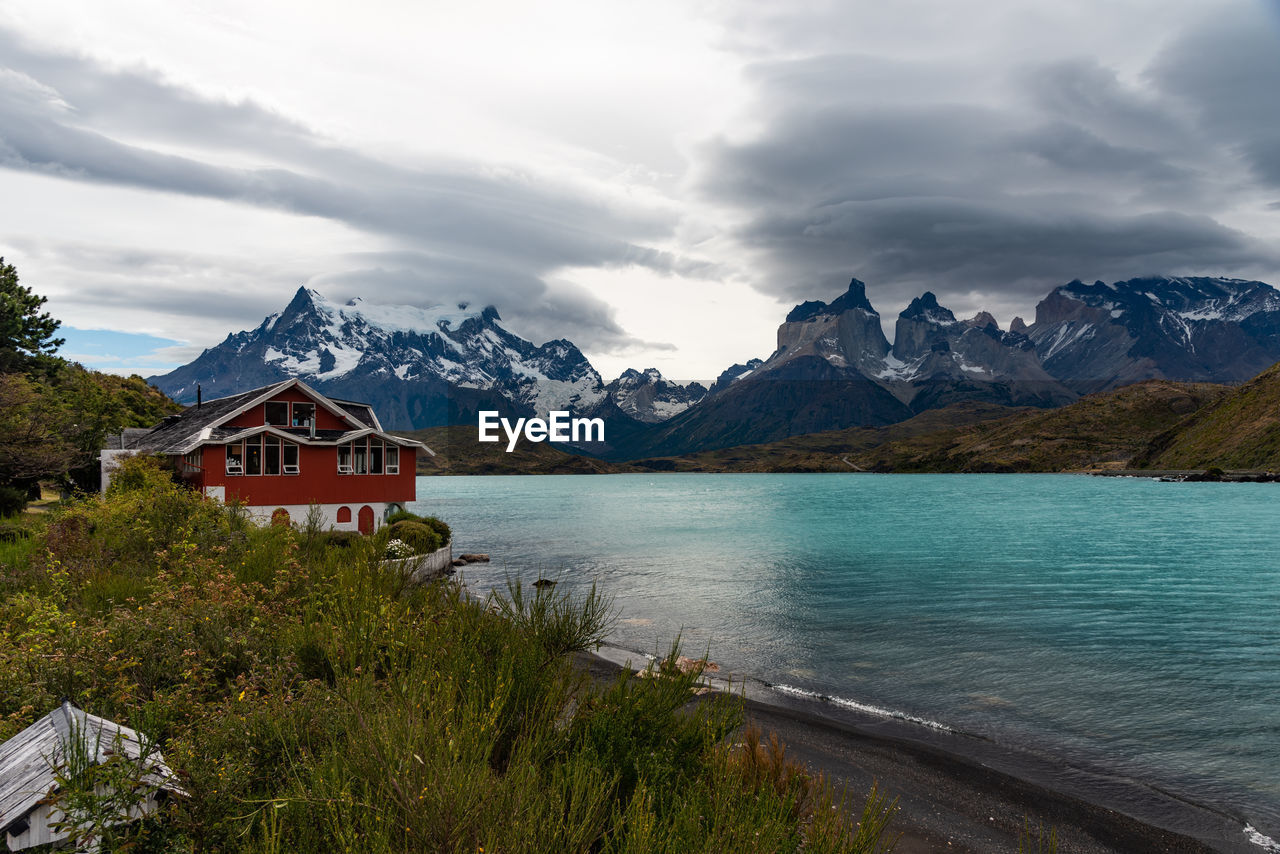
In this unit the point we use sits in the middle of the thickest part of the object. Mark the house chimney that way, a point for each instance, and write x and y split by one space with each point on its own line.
198 395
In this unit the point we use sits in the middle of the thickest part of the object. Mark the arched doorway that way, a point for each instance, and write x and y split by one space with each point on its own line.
364 520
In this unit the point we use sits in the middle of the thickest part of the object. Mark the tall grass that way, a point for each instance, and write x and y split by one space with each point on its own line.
312 700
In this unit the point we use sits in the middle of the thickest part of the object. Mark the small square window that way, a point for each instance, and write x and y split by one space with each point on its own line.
277 412
303 414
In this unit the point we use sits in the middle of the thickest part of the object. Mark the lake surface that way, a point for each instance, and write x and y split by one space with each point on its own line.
1124 624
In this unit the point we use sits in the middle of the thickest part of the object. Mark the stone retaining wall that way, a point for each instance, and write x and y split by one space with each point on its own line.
425 567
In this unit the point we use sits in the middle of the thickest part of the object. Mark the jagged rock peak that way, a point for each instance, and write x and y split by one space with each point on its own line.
854 297
733 373
650 397
1018 325
982 320
925 307
632 377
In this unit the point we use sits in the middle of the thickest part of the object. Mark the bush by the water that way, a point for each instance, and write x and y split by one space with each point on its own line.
431 522
418 536
312 700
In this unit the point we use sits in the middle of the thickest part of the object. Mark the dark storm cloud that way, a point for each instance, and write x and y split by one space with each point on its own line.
493 231
545 310
214 292
967 176
1227 71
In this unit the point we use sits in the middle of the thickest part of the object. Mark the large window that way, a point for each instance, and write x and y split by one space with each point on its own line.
253 455
368 456
271 455
263 455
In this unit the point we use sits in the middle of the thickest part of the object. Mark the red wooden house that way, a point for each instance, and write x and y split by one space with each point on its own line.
281 448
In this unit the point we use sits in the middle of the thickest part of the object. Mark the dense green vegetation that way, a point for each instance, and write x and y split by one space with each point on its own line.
26 332
54 414
310 699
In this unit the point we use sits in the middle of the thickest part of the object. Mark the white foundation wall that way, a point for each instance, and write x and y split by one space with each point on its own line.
328 512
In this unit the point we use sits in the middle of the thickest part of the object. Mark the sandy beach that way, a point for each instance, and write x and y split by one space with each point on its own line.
959 800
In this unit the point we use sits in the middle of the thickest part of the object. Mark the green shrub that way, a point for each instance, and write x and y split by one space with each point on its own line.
446 535
12 500
403 516
340 539
437 525
417 535
13 531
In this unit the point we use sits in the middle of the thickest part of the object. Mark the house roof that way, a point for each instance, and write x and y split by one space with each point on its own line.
32 759
204 423
363 412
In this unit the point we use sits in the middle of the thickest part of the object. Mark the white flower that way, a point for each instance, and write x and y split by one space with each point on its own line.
399 549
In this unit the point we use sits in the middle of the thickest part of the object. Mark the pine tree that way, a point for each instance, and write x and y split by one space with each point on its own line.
26 333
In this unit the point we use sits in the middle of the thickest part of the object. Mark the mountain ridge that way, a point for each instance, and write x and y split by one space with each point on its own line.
832 366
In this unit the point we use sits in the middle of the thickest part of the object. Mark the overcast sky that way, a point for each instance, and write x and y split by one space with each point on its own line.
659 182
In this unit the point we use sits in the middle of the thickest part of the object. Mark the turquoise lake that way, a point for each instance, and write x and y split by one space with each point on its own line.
1125 623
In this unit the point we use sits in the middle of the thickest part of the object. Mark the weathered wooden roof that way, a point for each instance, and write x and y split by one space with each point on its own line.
31 759
197 425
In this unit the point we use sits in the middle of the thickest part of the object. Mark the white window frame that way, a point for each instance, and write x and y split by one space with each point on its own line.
235 468
287 413
290 468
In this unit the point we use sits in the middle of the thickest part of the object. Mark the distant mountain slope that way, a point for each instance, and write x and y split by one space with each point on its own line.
827 451
1103 428
1096 337
1241 430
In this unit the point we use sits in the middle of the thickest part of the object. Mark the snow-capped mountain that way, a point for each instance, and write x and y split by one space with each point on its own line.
419 367
1100 336
650 397
933 356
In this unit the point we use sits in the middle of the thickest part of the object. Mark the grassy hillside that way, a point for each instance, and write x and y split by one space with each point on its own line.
1241 430
827 451
458 452
1099 431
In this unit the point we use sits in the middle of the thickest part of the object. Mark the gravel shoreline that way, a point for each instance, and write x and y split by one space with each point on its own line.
949 801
